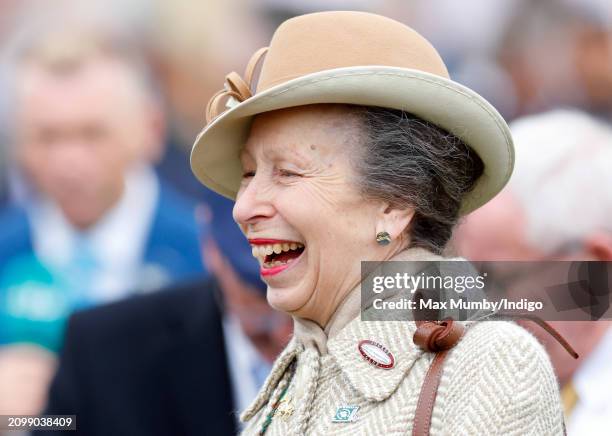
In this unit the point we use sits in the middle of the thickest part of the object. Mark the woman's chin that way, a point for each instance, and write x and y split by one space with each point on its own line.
284 299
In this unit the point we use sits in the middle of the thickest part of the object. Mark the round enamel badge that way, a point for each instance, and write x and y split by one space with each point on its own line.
376 354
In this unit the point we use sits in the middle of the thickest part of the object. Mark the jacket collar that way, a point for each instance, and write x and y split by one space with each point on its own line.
372 382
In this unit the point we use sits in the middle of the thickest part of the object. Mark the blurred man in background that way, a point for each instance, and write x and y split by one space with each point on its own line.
86 131
93 222
184 361
557 207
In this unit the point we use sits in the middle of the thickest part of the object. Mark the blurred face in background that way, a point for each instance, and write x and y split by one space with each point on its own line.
497 232
79 128
592 56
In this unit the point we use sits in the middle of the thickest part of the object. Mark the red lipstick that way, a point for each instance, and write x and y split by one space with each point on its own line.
266 241
274 270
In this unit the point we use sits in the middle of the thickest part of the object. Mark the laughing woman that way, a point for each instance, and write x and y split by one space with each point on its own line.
356 146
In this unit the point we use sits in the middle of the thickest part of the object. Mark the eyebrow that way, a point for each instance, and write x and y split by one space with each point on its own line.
276 155
296 157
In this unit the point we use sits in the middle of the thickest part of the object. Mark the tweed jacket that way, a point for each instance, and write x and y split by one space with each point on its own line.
498 380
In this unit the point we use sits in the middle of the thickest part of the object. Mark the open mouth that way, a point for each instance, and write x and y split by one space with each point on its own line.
278 254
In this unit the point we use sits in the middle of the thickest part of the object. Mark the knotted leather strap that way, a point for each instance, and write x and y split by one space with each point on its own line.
439 338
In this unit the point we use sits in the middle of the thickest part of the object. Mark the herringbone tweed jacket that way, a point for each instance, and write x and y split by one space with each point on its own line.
498 380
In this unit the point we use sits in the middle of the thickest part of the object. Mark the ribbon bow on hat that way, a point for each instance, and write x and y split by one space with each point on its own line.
235 88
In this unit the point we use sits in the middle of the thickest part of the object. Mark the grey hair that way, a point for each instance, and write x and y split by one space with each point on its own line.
410 162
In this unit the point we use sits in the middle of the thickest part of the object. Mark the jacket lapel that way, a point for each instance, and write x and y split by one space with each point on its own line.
278 369
372 382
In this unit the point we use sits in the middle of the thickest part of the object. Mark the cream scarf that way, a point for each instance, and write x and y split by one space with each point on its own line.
310 333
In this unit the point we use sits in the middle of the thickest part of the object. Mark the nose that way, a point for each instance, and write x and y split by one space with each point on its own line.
70 162
253 203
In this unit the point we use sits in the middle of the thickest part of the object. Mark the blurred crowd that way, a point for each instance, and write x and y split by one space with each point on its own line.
100 104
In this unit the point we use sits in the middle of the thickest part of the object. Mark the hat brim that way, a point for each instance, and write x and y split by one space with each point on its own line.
451 106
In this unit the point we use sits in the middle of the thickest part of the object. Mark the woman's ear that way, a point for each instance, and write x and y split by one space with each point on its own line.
394 220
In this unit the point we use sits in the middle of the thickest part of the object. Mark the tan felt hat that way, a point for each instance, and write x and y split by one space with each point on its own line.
353 58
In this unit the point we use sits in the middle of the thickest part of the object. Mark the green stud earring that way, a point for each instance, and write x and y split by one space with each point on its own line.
383 238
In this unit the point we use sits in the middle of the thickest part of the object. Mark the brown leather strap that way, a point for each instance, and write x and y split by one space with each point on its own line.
546 326
427 396
438 337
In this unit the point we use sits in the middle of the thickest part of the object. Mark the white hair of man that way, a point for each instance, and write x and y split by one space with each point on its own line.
563 177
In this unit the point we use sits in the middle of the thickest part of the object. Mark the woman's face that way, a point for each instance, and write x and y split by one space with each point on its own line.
298 195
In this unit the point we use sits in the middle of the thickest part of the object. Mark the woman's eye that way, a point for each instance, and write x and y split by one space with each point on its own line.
248 174
287 173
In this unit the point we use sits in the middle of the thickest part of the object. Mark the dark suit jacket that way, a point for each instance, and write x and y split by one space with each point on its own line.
150 365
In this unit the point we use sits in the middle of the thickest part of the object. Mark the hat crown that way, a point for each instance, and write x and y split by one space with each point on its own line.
327 40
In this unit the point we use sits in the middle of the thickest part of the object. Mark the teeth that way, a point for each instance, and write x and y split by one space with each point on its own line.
261 251
274 263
